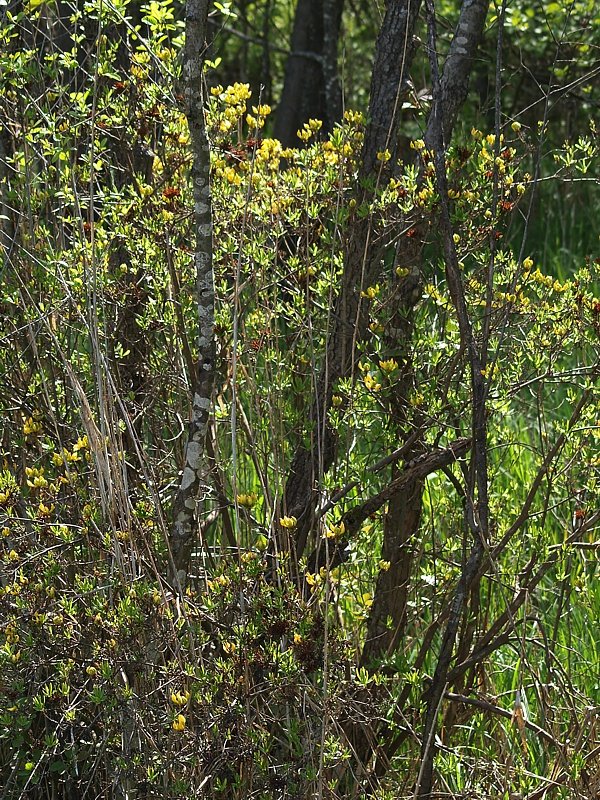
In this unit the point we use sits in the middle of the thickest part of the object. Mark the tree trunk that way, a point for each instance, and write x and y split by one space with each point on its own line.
394 54
449 93
311 88
183 529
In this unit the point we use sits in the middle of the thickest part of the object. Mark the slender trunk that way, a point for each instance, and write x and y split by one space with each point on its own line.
391 590
448 94
182 535
394 55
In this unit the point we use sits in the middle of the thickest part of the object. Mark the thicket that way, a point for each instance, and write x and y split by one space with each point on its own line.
300 658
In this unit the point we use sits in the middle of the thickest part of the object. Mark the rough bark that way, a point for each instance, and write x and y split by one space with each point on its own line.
454 82
391 590
182 533
311 87
387 618
393 57
394 54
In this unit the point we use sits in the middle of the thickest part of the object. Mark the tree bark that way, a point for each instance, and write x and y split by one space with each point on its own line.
391 590
394 53
311 88
182 533
456 76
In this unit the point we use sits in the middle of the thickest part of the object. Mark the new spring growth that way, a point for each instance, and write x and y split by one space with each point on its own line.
247 500
388 366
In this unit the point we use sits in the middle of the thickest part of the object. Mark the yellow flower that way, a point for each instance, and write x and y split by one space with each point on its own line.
310 128
30 426
297 638
335 531
44 510
247 500
371 292
237 94
527 264
81 444
371 383
354 117
231 176
388 366
179 723
288 522
312 579
179 699
417 399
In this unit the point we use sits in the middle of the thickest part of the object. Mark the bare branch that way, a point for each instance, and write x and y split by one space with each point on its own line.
415 470
486 705
448 94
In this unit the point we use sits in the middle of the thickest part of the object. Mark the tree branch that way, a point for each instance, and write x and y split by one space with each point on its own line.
485 705
415 470
448 94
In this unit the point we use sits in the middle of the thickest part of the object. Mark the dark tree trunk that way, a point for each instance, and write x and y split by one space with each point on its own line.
394 54
311 87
